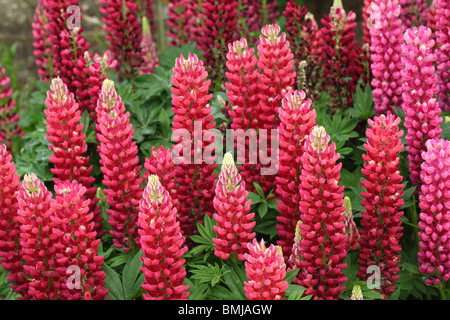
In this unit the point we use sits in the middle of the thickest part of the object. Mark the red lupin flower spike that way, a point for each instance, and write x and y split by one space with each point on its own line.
323 246
42 45
277 77
381 224
234 220
77 266
120 166
265 269
9 227
181 21
242 92
442 50
192 124
33 217
434 202
124 33
65 133
420 91
297 119
386 56
162 244
150 52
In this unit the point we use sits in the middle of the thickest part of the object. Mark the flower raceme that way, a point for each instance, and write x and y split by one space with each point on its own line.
434 202
9 227
148 46
386 56
33 218
414 12
381 224
181 22
419 96
42 47
442 50
65 133
276 62
233 217
266 270
75 245
191 107
120 166
162 244
297 119
323 244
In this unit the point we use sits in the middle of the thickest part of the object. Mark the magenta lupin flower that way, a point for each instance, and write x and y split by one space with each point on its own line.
442 51
124 34
434 202
160 163
75 246
33 218
381 224
219 28
182 21
233 217
276 62
192 124
297 119
11 259
266 270
420 91
162 244
120 167
243 109
42 47
340 56
414 13
9 127
323 246
150 52
386 56
366 21
65 133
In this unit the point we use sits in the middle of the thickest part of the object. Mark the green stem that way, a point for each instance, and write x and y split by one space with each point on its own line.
413 218
441 290
161 28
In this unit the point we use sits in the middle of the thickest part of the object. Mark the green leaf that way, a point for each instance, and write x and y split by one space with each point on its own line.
262 209
132 277
290 275
234 281
259 190
395 295
254 197
372 294
294 292
113 283
164 121
411 267
273 203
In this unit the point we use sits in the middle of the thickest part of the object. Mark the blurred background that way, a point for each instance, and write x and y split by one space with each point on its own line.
16 18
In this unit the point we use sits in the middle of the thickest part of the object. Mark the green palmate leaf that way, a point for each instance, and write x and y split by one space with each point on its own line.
262 209
197 290
209 273
235 282
294 292
254 197
113 283
132 277
164 122
395 295
259 190
363 103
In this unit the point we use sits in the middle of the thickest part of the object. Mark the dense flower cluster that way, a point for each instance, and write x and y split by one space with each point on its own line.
160 163
297 119
124 33
386 53
420 91
75 246
9 127
350 228
218 30
442 35
162 245
65 133
265 269
181 22
340 56
120 166
243 109
42 47
33 218
414 12
276 62
381 224
323 244
434 202
9 227
233 217
191 125
148 46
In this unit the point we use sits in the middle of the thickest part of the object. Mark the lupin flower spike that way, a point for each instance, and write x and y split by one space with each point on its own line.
265 269
162 244
234 220
442 50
